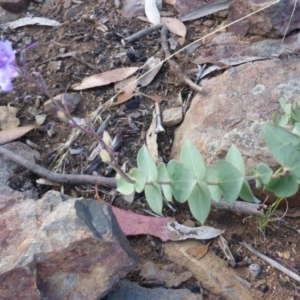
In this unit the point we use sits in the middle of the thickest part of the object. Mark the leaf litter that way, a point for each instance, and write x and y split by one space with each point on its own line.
91 99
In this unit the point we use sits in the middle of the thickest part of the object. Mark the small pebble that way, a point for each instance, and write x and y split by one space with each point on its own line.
255 270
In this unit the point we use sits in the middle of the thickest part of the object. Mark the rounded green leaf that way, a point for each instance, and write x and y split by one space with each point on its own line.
295 115
140 179
146 163
124 187
296 129
276 137
154 197
230 179
215 190
283 187
183 180
200 202
291 159
192 159
246 193
234 156
265 173
163 176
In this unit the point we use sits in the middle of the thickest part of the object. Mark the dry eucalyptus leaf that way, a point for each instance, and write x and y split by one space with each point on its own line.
198 252
151 141
105 78
152 12
8 117
9 135
40 119
31 21
155 98
153 64
177 27
127 86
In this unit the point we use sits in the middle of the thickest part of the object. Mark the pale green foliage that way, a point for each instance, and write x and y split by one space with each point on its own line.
189 179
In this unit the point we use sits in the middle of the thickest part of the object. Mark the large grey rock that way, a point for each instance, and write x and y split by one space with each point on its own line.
235 106
126 290
272 22
71 249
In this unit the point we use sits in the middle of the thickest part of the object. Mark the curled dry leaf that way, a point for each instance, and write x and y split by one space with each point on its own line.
127 86
177 27
152 65
105 78
8 117
9 135
152 12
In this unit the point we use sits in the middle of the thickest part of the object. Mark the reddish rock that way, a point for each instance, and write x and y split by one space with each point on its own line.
67 249
271 22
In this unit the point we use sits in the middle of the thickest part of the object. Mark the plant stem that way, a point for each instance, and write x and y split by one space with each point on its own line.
119 170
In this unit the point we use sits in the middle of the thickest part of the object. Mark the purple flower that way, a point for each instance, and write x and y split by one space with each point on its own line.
8 69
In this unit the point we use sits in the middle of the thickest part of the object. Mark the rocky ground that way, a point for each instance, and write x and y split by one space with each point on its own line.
52 241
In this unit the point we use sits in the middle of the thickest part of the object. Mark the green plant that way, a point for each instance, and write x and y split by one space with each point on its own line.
189 179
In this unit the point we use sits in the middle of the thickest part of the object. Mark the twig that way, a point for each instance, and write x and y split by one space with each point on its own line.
61 178
242 207
85 63
159 127
174 66
224 246
272 262
143 32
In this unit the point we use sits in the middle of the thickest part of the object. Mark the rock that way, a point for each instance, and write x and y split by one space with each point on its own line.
15 6
172 116
126 290
234 108
150 271
67 249
210 270
271 22
9 168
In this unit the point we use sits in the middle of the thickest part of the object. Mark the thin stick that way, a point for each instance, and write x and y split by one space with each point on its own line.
242 207
290 20
272 262
61 178
143 32
174 66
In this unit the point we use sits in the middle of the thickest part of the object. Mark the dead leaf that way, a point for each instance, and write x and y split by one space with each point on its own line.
177 27
152 12
153 64
167 229
9 135
198 252
8 117
128 87
151 141
105 78
206 9
31 21
155 98
70 99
